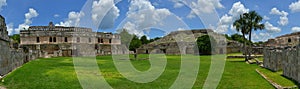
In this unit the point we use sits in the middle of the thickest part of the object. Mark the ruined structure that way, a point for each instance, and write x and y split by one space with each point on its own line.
286 59
53 41
283 53
11 58
284 40
183 42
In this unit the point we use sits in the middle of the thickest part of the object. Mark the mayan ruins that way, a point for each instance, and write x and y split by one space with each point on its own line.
283 53
54 41
183 42
11 58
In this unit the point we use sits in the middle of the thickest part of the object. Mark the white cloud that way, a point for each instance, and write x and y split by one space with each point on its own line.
73 19
261 36
2 3
180 29
270 28
56 15
204 6
224 23
296 29
107 19
283 16
178 4
234 13
10 28
237 9
266 18
295 6
28 20
142 15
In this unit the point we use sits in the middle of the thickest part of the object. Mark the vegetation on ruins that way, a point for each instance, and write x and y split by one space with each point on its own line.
238 38
133 41
245 24
144 40
15 37
204 44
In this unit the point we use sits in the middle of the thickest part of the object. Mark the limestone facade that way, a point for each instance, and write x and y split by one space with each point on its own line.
286 59
292 39
11 58
52 41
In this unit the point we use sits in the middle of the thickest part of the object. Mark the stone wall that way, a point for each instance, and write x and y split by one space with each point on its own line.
11 58
286 59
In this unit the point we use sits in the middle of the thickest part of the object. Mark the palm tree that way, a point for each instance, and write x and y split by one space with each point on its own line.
253 20
241 26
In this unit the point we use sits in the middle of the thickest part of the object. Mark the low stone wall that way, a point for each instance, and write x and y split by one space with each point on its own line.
11 59
286 59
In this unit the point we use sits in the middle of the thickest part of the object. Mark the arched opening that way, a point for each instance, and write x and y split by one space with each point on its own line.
54 39
289 40
66 39
50 39
90 40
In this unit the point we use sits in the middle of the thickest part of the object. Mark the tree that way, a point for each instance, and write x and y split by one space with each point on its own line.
204 44
135 43
253 20
241 26
15 37
239 38
144 40
246 23
130 40
154 39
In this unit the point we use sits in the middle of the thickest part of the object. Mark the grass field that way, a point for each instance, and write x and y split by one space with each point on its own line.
59 73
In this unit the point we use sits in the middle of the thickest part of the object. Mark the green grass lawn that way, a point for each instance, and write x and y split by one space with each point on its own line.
59 73
277 77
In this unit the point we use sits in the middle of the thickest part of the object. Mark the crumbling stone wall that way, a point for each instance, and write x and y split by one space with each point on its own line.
11 58
286 59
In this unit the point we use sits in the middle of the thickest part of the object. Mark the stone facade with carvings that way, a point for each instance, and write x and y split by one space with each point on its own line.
53 41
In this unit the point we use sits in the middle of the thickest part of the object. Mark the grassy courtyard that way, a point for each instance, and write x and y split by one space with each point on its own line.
59 73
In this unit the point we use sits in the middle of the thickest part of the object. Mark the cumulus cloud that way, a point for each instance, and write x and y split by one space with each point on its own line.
56 15
296 29
73 19
204 6
177 4
2 3
107 19
142 15
295 6
28 20
237 9
272 29
261 36
234 13
266 18
10 28
283 16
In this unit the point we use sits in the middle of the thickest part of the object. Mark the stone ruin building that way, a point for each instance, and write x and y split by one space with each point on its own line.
11 58
292 39
283 53
171 43
53 41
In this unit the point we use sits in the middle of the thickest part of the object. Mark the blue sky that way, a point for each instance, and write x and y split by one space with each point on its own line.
152 18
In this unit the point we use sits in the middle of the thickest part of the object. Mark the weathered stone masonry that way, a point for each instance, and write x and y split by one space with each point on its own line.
11 58
286 59
53 41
